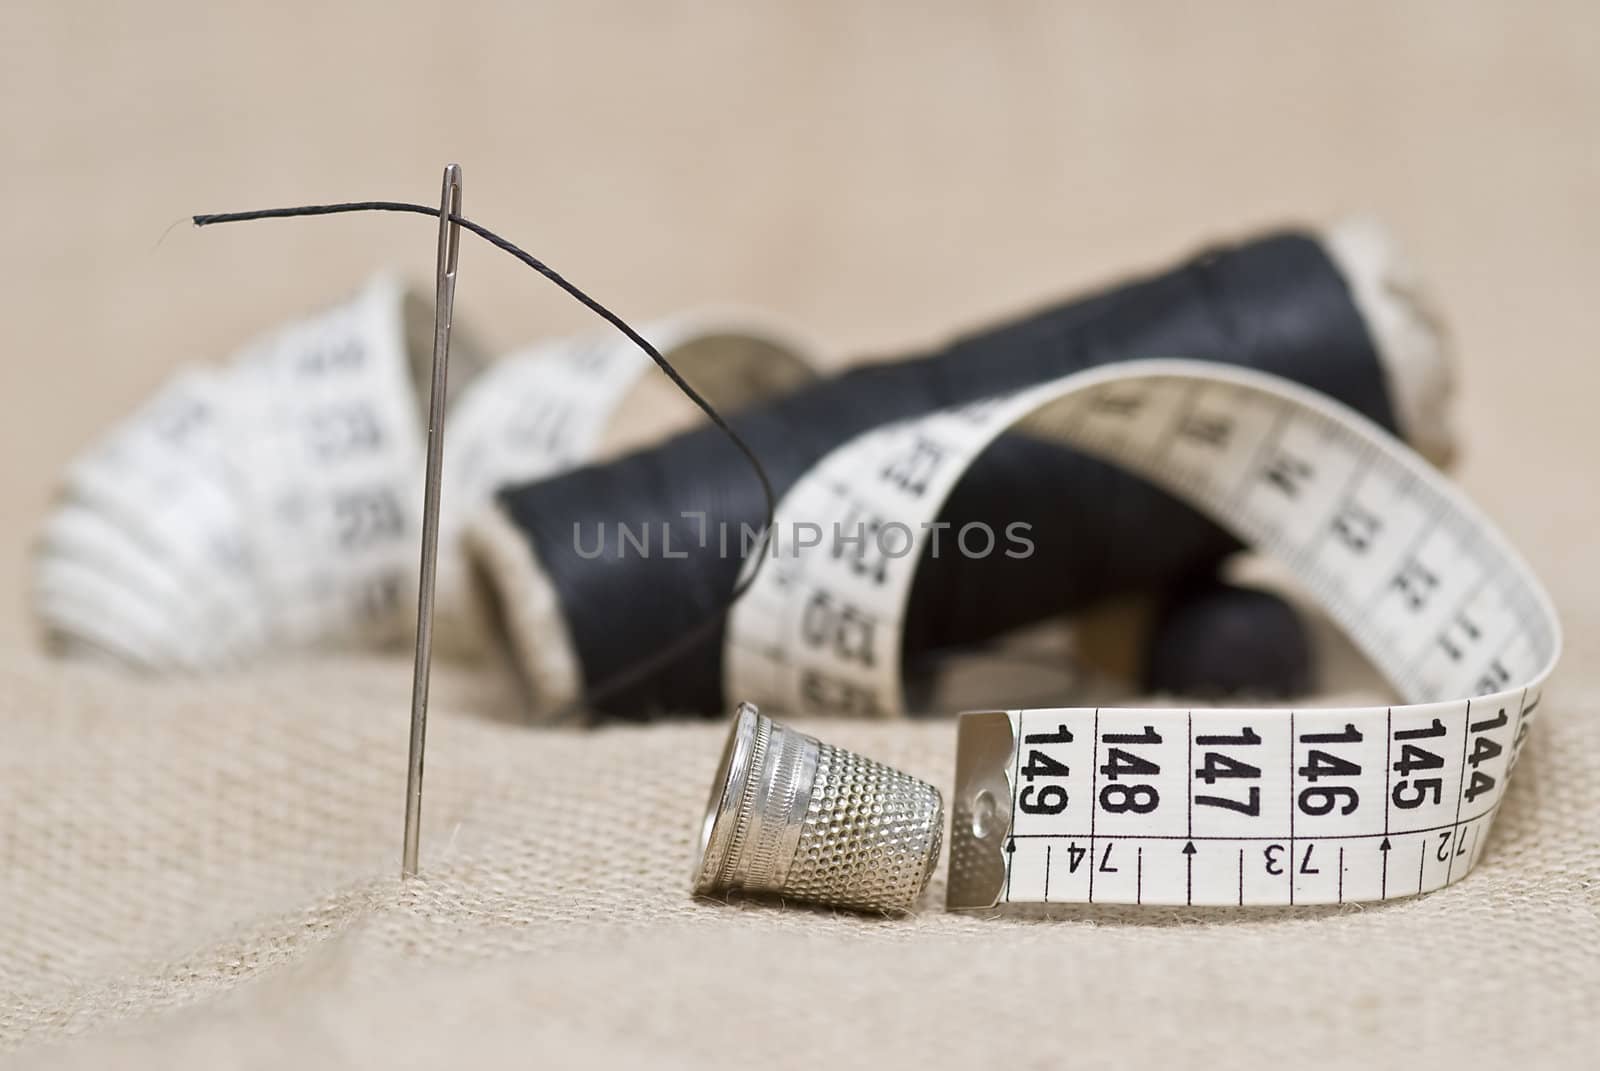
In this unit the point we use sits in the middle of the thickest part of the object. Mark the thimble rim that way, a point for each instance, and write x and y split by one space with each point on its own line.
722 806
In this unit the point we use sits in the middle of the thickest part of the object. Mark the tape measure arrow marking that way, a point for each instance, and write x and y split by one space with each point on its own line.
1409 568
1188 866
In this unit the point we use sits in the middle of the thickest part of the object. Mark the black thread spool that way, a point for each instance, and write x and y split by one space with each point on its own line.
1330 312
1215 640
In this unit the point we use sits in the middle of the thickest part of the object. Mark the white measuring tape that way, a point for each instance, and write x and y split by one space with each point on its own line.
272 503
1172 806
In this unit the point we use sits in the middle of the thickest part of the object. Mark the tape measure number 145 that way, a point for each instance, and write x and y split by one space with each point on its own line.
1208 806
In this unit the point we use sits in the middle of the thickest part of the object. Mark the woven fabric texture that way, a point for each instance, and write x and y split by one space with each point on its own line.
206 874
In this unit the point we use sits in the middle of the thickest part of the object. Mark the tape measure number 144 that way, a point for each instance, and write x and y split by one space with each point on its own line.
1206 806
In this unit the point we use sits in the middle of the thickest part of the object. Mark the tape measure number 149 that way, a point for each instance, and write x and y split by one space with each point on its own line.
1208 806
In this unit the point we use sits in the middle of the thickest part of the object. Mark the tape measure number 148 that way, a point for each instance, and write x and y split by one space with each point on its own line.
1206 806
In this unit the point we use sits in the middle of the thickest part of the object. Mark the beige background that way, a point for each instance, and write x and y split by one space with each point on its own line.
879 174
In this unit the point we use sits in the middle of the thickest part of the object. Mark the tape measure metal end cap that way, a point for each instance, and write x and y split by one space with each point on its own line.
792 817
980 818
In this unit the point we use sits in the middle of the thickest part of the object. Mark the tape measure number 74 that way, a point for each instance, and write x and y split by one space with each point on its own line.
1213 806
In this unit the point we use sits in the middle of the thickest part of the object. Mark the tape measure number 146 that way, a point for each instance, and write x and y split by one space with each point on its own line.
1206 806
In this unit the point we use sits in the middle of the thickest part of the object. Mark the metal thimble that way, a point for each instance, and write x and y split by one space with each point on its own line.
791 816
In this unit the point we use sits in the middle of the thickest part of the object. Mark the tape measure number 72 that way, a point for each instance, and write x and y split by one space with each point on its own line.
1213 806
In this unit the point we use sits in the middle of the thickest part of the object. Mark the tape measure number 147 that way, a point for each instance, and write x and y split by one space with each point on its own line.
1207 806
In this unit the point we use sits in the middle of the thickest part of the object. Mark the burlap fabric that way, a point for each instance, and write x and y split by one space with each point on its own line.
204 874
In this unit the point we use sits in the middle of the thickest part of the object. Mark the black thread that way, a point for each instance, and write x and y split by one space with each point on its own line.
712 622
1216 640
1278 304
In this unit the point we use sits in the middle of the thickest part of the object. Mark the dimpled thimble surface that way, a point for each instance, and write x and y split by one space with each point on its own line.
793 817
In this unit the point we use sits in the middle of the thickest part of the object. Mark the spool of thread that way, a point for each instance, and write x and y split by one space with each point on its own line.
1335 311
1215 640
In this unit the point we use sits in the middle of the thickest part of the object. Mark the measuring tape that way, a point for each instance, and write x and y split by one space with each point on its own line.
1172 806
144 556
271 503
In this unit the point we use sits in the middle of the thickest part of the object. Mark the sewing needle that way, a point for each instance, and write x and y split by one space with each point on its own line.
444 297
